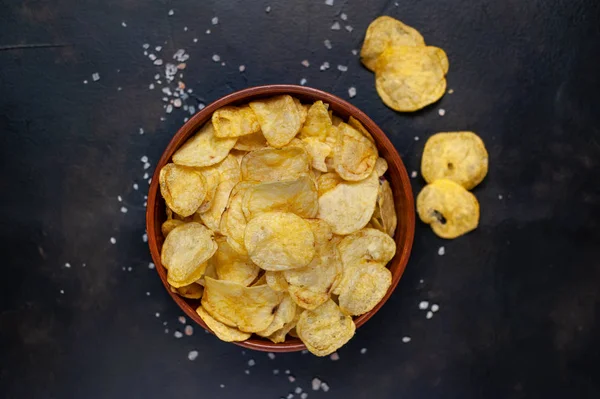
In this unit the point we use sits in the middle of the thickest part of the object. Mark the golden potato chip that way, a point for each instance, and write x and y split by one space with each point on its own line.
366 245
381 166
296 196
261 279
182 188
233 221
325 329
279 241
302 110
222 331
318 151
204 149
363 287
284 314
233 121
276 281
317 123
230 265
457 156
279 117
384 32
448 208
272 164
355 123
349 206
354 156
212 179
185 251
250 309
441 56
409 78
192 291
279 335
386 208
251 142
328 181
169 225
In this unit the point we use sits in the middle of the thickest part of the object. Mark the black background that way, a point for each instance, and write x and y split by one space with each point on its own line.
519 297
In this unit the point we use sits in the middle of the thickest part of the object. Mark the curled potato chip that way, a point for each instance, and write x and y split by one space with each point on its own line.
276 281
204 149
366 245
212 179
354 156
182 188
363 287
250 309
279 241
318 151
192 291
386 208
384 32
348 206
272 164
251 142
222 331
185 251
233 121
279 335
448 208
457 156
317 123
233 221
280 119
381 166
230 265
284 314
296 196
409 78
169 225
325 329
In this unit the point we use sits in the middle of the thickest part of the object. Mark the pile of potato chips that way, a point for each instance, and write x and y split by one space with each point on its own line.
408 74
452 163
280 220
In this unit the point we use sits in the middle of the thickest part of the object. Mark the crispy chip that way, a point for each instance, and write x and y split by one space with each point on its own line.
366 245
355 123
384 32
272 164
448 208
251 142
386 208
185 251
457 156
182 188
318 151
192 291
204 149
212 179
279 335
280 119
279 241
363 287
296 196
230 265
285 313
381 166
441 56
328 181
409 78
325 329
234 121
223 332
302 110
250 309
349 206
317 123
276 281
354 156
233 221
169 225
261 280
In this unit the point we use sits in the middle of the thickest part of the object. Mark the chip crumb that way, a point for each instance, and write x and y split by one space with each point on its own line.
423 305
416 138
193 355
329 2
441 251
406 339
327 43
291 378
435 307
352 92
342 68
324 387
429 315
95 76
177 334
214 20
216 57
316 384
303 81
334 356
113 240
123 209
413 174
442 111
336 26
188 330
268 9
275 371
305 63
324 66
271 355
171 12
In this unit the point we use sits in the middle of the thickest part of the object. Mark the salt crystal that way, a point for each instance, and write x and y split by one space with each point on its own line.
450 91
441 251
113 240
305 63
413 174
195 40
62 291
85 82
271 355
429 315
177 334
145 46
222 386
123 209
157 314
242 68
152 57
406 339
68 265
316 384
177 103
423 305
151 87
247 372
158 62
352 92
268 9
151 265
324 66
166 330
83 265
135 186
123 24
327 43
145 176
304 351
435 307
144 158
147 292
223 63
185 28
119 198
298 390
95 76
287 371
342 68
171 12
335 26
363 351
251 362
291 378
169 109
216 57
329 2
158 48
290 396
304 395
349 28
334 356
145 237
275 371
189 330
324 387
416 138
343 16
119 88
442 111
303 81
355 52
214 20
208 31
500 196
193 355
146 165
181 319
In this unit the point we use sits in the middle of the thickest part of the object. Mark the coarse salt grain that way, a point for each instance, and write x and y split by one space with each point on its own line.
67 265
324 66
214 20
85 82
500 196
135 186
193 355
334 356
406 339
195 40
124 24
247 372
151 87
208 31
324 387
222 386
145 46
416 138
177 102
188 330
441 251
352 92
96 77
151 265
145 176
316 384
413 174
435 307
275 371
363 351
442 111
329 2
62 291
158 62
147 292
291 378
181 319
450 91
171 12
146 165
336 26
342 68
290 396
123 209
298 390
144 159
429 315
327 43
304 395
349 28
355 52
216 57
113 240
177 334
119 198
268 9
152 57
343 16
145 237
271 355
423 305
185 28
303 81
251 362
287 371
305 63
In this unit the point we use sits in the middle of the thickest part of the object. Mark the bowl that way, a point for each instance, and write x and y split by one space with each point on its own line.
396 175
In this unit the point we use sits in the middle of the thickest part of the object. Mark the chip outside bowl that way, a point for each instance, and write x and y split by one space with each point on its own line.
396 175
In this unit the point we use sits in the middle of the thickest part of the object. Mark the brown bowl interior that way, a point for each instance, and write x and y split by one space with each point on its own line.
396 174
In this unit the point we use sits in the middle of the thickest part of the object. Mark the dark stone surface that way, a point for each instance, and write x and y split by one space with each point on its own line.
519 298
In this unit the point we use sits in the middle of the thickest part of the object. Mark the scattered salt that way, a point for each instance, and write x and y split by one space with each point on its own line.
336 26
271 355
423 305
324 387
208 31
251 362
268 9
123 209
216 57
152 57
298 390
429 315
247 371
324 66
450 91
135 186
327 43
146 165
275 371
146 176
352 92
85 82
188 330
119 198
413 174
406 339
416 138
363 351
287 371
222 386
349 28
147 292
151 265
342 68
151 87
95 76
354 52
145 237
158 62
306 63
214 20
435 307
242 68
177 334
68 265
113 240
304 395
334 356
145 46
441 251
316 384
193 355
171 12
343 16
291 378
500 196
329 2
62 291
123 24
195 40
177 103
303 81
185 28
442 111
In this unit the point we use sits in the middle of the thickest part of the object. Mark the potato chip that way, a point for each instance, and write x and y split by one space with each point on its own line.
250 309
279 241
280 119
349 206
192 291
457 156
284 314
212 180
354 156
441 56
409 78
296 196
381 166
260 280
233 221
276 281
251 142
233 121
182 188
448 208
185 251
204 149
230 265
222 331
384 32
325 329
279 335
363 287
302 110
386 208
169 225
366 245
317 123
318 151
328 181
355 123
272 164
